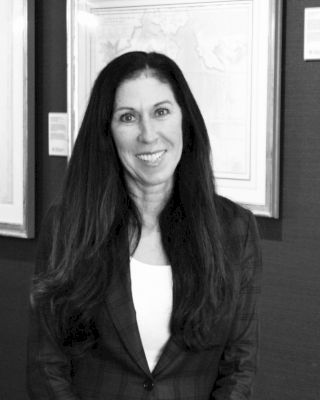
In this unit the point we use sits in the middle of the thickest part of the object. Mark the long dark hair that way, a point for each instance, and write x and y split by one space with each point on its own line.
95 210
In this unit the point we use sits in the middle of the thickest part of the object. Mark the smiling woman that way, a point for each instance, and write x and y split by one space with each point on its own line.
146 279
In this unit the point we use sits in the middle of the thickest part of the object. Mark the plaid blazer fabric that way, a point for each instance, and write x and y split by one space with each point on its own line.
117 369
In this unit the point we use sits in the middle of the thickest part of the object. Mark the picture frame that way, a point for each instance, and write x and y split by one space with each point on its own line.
229 52
17 115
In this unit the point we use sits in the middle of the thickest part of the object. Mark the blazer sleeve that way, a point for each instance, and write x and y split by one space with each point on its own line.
48 367
237 367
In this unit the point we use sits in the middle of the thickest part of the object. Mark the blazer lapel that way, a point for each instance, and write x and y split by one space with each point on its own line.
121 309
168 356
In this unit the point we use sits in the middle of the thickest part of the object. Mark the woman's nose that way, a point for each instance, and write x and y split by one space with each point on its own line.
148 133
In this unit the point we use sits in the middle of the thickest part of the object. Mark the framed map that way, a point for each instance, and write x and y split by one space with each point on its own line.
16 111
229 52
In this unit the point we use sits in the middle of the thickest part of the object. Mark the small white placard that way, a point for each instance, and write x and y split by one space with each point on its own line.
312 33
58 134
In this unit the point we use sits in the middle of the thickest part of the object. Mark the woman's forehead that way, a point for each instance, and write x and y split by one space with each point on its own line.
144 87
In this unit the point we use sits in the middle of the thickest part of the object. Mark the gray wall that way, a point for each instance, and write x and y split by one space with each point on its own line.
290 354
290 359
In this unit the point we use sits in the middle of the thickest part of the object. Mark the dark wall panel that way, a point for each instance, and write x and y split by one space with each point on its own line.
17 255
290 304
290 355
14 288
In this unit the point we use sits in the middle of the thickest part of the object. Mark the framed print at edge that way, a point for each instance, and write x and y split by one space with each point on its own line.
16 110
229 52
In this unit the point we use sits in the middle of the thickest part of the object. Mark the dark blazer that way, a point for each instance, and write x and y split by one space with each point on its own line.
116 368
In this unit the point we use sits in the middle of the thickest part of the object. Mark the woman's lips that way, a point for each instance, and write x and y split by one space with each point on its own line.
152 157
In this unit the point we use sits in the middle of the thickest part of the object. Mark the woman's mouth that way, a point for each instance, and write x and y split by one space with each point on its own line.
151 158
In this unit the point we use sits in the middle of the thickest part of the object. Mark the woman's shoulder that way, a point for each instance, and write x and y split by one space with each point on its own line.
230 212
236 224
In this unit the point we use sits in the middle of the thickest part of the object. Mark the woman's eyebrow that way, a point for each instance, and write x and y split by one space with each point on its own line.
162 102
128 108
121 108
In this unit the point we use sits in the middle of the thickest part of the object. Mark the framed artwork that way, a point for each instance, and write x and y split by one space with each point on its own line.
16 110
229 52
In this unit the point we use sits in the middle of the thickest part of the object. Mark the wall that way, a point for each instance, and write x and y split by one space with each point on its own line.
17 255
290 354
290 358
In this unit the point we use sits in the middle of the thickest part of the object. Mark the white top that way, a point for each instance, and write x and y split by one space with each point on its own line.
151 287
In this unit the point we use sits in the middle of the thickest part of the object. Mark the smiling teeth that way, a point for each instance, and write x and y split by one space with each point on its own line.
151 157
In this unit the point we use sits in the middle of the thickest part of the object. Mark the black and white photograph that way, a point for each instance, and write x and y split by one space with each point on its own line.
160 200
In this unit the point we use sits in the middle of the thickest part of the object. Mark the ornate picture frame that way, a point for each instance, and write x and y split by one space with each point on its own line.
229 51
17 115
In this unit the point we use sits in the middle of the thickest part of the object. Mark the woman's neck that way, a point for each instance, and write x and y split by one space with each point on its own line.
150 201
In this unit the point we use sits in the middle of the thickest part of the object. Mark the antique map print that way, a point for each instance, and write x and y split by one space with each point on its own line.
6 103
215 58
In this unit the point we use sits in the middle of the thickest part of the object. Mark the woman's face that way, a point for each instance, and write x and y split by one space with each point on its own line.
147 130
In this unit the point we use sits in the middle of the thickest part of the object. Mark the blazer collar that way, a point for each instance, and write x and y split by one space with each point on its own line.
120 305
121 309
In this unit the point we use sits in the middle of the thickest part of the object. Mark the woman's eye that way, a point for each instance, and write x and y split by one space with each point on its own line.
162 112
127 117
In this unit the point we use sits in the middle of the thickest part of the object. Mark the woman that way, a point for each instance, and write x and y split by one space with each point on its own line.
147 280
